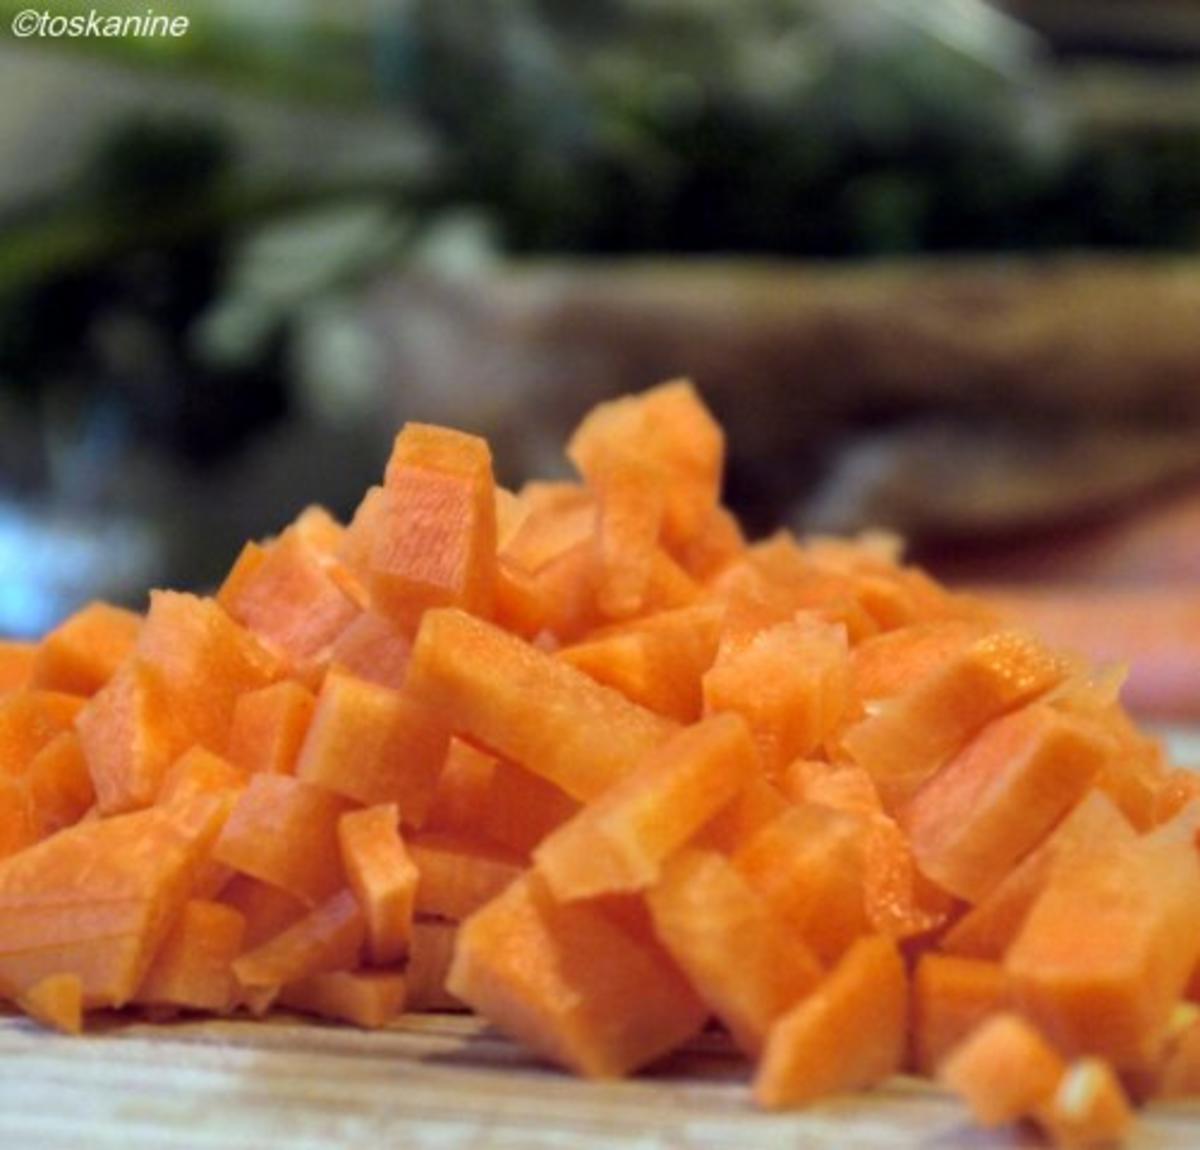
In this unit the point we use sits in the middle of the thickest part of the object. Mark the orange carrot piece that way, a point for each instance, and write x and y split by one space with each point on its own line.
460 799
200 772
382 877
205 661
1088 1108
913 733
427 538
266 910
1179 1074
284 831
847 1034
458 875
569 983
129 738
671 430
20 825
430 953
790 683
268 726
620 841
193 969
56 1002
374 745
951 996
366 998
291 602
372 647
743 961
987 929
16 663
718 543
527 706
521 809
81 654
809 866
657 661
888 664
327 938
994 801
29 720
1105 952
1004 1070
97 898
60 786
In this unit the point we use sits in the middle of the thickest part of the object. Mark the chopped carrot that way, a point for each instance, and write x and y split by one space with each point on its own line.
59 784
847 1034
192 969
572 985
29 720
430 953
16 663
950 997
460 798
619 841
790 682
268 726
1089 1107
1004 1070
521 809
200 772
284 831
374 745
915 732
746 963
1106 950
205 661
527 706
265 910
97 898
458 875
994 801
84 652
382 877
292 602
326 939
129 737
372 647
367 998
56 1002
810 867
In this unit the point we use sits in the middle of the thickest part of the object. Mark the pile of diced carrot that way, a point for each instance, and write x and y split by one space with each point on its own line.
581 759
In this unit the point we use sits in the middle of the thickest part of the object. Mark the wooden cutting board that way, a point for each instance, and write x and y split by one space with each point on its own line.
435 1082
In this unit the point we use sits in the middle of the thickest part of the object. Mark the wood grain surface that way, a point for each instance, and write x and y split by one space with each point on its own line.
435 1082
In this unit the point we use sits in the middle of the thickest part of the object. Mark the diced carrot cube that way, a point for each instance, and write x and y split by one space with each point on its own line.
327 938
570 984
1089 1107
60 785
84 652
382 877
372 647
284 831
430 953
292 602
374 745
56 1002
460 800
193 969
915 732
367 998
620 841
1106 950
950 997
790 683
998 797
527 706
747 964
458 875
16 663
268 727
847 1034
1004 1070
266 910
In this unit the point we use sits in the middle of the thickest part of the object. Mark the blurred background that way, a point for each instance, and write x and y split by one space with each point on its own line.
932 263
